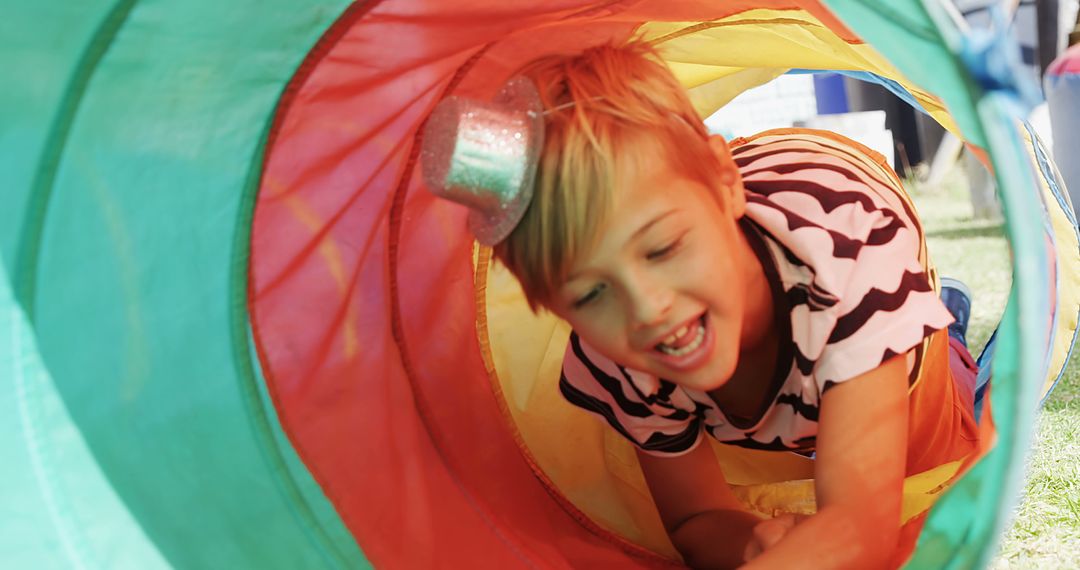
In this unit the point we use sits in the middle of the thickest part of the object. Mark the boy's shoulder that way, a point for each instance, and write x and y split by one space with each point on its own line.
825 179
794 152
812 141
845 226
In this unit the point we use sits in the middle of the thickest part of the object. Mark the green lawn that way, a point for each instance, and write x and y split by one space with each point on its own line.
1046 529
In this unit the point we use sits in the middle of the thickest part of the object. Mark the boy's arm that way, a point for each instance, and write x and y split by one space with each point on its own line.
859 472
704 520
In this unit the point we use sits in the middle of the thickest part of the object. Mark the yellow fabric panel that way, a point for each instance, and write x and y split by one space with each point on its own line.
923 489
714 52
712 95
1067 254
584 460
797 497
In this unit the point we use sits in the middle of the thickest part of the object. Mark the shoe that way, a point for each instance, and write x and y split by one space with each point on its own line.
957 299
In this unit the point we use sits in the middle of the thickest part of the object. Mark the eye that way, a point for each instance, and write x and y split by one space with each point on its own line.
588 297
665 251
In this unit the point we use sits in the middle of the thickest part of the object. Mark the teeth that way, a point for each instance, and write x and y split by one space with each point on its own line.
699 337
676 336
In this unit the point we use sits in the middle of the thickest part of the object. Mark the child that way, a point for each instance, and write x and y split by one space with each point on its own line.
775 296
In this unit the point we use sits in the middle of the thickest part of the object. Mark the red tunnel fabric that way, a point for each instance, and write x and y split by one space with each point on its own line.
363 302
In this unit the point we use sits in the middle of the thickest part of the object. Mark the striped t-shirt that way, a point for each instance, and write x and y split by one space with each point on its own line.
844 252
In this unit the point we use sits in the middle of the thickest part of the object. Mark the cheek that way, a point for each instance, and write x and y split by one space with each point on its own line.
716 278
600 330
726 361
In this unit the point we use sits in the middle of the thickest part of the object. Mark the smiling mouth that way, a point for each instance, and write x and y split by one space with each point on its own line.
685 340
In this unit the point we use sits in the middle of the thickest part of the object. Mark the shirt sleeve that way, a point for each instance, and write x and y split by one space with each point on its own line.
653 420
887 305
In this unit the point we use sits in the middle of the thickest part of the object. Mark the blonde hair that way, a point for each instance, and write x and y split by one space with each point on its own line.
609 109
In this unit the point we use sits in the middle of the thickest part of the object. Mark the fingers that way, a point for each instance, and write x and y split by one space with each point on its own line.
769 532
753 550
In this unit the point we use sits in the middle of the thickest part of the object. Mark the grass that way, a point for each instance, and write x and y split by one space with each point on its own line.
1045 532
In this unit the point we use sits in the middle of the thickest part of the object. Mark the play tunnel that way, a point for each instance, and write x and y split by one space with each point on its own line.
236 331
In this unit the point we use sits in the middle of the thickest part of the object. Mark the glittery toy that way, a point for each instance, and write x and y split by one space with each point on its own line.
483 156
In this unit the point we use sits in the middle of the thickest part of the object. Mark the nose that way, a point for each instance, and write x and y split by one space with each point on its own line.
650 301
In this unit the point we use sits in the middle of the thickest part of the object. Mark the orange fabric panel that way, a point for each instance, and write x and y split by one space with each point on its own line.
929 443
939 410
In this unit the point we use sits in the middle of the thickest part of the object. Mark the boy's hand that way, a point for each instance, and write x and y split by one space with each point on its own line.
769 532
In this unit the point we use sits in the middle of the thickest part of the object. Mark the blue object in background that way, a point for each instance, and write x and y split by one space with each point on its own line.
830 93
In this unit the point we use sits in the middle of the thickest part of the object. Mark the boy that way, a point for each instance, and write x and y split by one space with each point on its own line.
776 296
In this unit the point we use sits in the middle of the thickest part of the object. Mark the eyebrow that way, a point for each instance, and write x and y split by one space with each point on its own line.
653 222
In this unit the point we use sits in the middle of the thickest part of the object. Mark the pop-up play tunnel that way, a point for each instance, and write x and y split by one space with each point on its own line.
238 333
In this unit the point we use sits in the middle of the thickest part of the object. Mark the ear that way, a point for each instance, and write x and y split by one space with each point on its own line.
730 183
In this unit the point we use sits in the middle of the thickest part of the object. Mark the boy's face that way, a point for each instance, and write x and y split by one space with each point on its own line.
664 288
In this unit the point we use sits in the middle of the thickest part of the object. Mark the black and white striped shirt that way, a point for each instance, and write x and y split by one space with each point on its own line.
844 251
